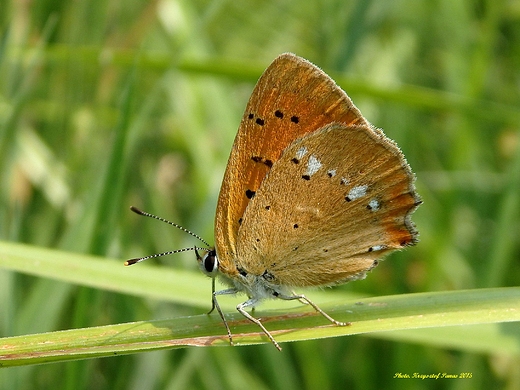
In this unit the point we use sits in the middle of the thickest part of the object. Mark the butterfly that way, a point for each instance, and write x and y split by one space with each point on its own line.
313 194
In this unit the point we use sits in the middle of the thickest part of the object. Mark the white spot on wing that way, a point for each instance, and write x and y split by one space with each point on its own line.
377 248
357 192
331 172
301 152
373 205
344 181
313 165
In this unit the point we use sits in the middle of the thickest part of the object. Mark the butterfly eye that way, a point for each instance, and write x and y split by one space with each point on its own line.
209 263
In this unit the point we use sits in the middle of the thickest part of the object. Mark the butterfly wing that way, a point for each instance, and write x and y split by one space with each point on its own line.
292 98
336 180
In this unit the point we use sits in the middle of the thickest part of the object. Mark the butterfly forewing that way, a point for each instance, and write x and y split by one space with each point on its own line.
345 178
292 98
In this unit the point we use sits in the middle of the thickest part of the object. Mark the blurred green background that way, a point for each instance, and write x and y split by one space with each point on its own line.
107 104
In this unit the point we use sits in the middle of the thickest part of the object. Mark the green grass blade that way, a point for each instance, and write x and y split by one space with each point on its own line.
415 313
408 95
391 313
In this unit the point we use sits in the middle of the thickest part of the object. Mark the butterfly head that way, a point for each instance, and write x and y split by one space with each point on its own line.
208 262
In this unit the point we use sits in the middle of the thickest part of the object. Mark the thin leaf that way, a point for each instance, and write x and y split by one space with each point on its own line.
400 312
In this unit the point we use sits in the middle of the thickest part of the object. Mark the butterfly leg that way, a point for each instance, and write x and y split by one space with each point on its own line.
304 299
213 299
219 310
251 303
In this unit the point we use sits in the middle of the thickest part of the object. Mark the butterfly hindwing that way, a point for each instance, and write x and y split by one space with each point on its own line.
338 179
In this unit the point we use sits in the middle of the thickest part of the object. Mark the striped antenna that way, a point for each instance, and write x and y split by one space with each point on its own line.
138 260
144 213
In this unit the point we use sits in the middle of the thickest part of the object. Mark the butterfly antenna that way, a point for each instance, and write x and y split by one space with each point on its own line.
138 260
141 212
